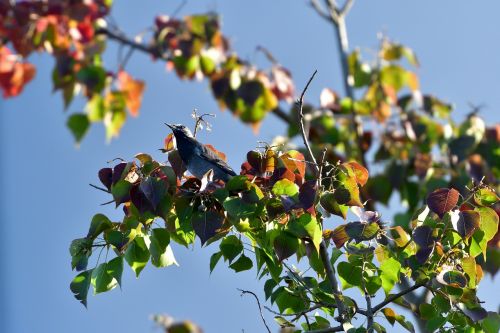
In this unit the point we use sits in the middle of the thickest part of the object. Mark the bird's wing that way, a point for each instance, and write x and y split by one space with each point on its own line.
210 156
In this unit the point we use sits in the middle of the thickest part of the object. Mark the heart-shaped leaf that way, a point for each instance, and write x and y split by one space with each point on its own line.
442 200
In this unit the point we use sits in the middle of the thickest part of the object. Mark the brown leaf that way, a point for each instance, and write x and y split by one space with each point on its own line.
468 222
442 200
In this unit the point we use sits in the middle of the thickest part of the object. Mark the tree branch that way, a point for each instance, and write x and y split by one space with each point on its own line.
322 248
124 40
347 7
396 296
368 298
300 104
151 50
258 303
320 10
327 330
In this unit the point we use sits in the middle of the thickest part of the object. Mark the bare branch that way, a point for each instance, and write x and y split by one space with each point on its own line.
320 10
300 104
327 330
333 280
368 298
347 7
396 296
124 40
258 303
99 188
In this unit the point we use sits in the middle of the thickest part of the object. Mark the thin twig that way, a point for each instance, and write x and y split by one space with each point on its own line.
327 330
320 10
347 7
300 104
322 248
100 188
396 296
122 39
258 303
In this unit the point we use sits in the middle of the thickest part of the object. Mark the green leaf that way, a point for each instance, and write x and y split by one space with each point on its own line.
78 123
362 231
120 192
230 247
137 254
469 267
486 197
242 264
95 108
161 252
427 311
238 184
214 259
269 287
273 268
435 322
394 76
378 188
331 205
306 226
237 209
442 303
491 324
350 275
99 224
290 303
488 226
389 273
80 250
285 187
93 77
107 275
80 286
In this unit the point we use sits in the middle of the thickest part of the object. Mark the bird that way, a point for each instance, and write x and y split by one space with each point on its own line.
197 158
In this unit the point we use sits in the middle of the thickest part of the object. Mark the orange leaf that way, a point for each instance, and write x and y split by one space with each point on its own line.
360 172
219 153
14 75
133 90
169 143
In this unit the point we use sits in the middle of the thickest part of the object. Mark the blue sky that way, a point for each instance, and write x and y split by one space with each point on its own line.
46 201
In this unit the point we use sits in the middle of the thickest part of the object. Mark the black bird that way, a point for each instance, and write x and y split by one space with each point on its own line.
197 158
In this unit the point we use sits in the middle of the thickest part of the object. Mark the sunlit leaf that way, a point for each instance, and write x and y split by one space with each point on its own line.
132 90
80 286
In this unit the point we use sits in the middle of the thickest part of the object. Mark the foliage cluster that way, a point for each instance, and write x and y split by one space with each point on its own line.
277 214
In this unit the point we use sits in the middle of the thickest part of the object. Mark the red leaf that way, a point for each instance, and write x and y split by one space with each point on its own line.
442 200
14 75
468 222
221 155
169 143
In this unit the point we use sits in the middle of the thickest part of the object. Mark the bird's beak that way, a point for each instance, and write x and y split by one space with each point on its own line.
170 126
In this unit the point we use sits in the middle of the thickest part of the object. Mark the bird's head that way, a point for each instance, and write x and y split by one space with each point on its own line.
180 130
